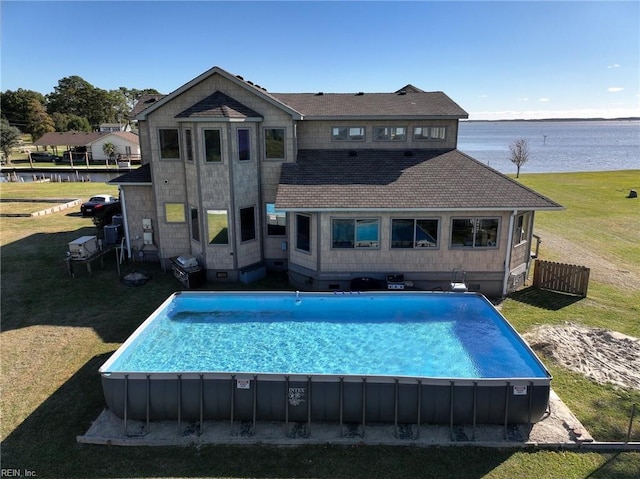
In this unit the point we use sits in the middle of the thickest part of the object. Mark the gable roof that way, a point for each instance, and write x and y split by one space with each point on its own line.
218 105
139 176
144 102
399 180
405 105
238 80
82 138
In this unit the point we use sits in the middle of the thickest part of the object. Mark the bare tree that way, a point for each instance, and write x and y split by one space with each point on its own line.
519 154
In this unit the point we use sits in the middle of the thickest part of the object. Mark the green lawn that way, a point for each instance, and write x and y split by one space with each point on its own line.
57 331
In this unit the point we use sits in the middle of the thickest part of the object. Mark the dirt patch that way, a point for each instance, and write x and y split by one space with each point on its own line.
602 269
602 355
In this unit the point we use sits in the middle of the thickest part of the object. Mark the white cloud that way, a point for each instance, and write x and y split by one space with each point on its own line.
544 100
484 96
615 89
615 65
523 99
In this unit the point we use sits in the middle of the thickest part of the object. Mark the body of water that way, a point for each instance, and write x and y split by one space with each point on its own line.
554 146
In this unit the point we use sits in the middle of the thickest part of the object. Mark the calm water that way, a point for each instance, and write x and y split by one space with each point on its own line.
418 335
555 146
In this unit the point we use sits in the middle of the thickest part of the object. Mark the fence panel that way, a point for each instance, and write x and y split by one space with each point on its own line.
564 278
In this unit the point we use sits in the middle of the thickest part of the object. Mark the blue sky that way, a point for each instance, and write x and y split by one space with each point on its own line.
498 60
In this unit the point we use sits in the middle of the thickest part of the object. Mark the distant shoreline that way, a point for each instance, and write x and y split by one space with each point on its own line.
630 118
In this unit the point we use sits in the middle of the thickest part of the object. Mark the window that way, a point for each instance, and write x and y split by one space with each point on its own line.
212 146
303 232
247 224
244 145
169 146
474 232
188 144
429 133
345 133
276 221
217 227
195 225
521 229
355 233
174 213
386 133
410 233
274 143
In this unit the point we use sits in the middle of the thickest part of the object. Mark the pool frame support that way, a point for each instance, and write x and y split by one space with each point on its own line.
179 404
233 398
364 404
201 425
506 410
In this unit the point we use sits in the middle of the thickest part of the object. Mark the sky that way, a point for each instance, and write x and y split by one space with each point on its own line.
497 60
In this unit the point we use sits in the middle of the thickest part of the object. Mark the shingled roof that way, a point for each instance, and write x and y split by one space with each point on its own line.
144 102
139 176
399 180
219 105
405 104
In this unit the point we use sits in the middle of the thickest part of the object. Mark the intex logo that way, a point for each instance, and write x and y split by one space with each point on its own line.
296 396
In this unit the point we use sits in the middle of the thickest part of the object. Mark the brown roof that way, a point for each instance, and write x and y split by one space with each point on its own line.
218 105
81 138
143 103
399 179
404 104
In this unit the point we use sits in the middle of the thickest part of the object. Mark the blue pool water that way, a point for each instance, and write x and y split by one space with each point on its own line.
439 335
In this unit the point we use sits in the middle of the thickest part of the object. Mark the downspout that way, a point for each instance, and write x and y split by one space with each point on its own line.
125 219
507 265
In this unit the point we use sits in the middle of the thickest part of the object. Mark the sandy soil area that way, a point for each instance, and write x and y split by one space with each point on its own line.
602 355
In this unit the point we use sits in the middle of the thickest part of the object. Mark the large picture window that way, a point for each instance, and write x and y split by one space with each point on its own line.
348 133
389 133
355 233
218 227
429 133
414 233
169 144
212 146
303 233
274 143
247 224
276 221
474 232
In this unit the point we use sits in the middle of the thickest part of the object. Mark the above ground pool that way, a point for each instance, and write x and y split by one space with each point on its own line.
381 357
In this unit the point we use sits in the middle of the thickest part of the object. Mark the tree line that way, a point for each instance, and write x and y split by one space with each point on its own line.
74 105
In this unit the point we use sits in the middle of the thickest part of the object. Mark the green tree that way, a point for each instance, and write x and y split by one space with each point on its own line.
9 138
15 105
519 154
109 149
38 120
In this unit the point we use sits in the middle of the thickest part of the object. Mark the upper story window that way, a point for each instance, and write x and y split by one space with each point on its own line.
274 143
355 233
212 146
348 133
303 233
410 233
474 232
429 133
188 144
169 144
244 145
390 133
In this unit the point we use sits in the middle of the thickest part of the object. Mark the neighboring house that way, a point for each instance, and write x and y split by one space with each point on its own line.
127 144
109 127
329 187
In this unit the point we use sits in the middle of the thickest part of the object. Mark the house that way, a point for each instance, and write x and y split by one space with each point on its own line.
330 187
109 127
127 144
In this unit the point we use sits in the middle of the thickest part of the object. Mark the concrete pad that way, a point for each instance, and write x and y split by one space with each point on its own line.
559 428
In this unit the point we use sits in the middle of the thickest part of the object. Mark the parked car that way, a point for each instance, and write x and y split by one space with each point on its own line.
96 204
43 156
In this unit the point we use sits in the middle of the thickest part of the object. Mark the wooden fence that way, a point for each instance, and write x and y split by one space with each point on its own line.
564 278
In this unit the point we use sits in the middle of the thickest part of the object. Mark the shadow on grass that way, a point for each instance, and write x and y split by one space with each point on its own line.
45 443
544 299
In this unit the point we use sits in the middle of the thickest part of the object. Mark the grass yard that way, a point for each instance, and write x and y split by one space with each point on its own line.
57 331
